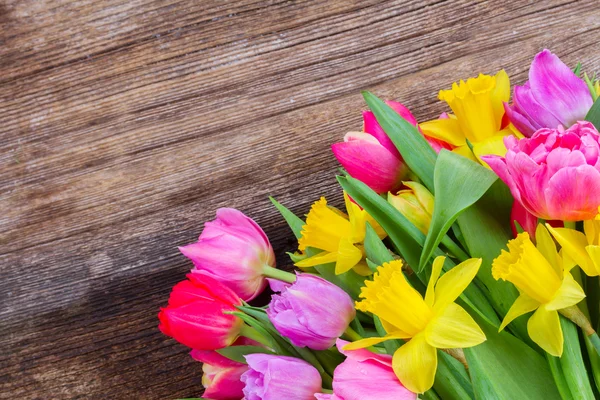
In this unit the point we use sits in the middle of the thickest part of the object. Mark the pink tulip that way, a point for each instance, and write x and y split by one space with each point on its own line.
366 376
555 174
220 375
195 314
524 218
234 250
311 312
272 377
552 96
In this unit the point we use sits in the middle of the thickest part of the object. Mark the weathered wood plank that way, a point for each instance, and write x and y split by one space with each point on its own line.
124 125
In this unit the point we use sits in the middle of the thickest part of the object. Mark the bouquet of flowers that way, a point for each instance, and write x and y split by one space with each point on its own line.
464 266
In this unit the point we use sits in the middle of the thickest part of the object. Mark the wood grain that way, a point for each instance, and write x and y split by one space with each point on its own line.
125 124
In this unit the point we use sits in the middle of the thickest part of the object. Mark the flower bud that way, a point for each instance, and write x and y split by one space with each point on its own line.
311 312
234 250
273 377
195 314
415 203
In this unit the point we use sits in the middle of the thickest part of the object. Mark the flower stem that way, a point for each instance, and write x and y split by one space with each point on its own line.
578 318
454 249
279 274
459 354
251 333
571 225
352 335
595 341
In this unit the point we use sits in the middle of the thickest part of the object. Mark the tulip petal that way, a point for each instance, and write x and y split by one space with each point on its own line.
454 328
574 243
454 282
371 126
569 294
554 85
368 342
522 305
348 256
544 329
520 121
415 364
573 193
444 129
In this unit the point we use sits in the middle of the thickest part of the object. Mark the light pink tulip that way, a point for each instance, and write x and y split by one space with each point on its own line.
366 376
234 250
552 96
555 174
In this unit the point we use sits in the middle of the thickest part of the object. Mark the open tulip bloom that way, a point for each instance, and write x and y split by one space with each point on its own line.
463 262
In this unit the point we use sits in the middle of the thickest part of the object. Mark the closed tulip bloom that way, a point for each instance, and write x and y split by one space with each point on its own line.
555 174
221 377
311 312
235 251
365 375
415 203
272 377
552 96
195 314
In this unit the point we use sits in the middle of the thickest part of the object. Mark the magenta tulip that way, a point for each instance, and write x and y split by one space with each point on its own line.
552 96
234 250
311 312
272 377
195 314
555 174
221 377
366 376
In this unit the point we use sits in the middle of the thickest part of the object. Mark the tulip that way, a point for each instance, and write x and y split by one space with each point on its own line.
311 312
552 96
555 174
524 218
545 285
415 203
220 375
366 376
235 251
272 377
195 314
433 322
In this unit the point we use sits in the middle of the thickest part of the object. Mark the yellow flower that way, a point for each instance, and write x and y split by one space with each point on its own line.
415 203
478 109
433 322
542 276
338 235
584 249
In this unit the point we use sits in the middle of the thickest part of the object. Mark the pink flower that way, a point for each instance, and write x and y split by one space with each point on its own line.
371 156
524 218
220 375
552 96
555 174
234 250
311 312
273 377
366 376
194 316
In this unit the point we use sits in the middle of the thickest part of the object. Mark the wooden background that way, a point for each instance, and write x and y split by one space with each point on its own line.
126 123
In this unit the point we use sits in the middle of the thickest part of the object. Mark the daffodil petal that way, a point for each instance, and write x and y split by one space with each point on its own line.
436 270
454 328
347 257
594 253
318 259
522 305
546 246
362 269
544 329
454 282
500 94
574 243
466 152
368 342
415 364
444 129
569 294
494 145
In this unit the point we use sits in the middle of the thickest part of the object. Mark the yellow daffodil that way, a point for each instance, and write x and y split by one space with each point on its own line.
545 284
433 322
415 203
338 235
478 107
584 249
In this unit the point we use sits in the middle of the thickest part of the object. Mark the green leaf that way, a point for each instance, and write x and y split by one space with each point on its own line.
577 69
572 362
451 379
559 377
503 367
593 115
459 183
376 251
416 152
292 220
237 353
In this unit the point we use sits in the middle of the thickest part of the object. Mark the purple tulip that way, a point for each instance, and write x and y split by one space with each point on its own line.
273 377
311 312
552 96
234 250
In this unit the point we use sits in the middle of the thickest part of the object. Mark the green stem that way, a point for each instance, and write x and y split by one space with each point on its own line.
571 225
251 333
328 391
595 341
279 274
454 249
352 335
